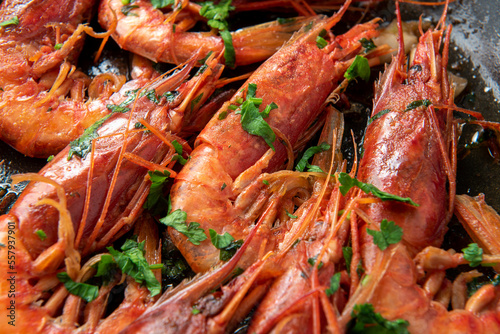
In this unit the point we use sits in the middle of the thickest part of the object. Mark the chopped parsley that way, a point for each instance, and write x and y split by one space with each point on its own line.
474 254
290 215
195 101
41 234
252 120
389 234
158 180
217 15
347 252
334 285
106 268
126 10
132 262
49 159
225 243
282 21
58 46
266 182
347 182
321 43
359 68
115 108
82 145
378 115
418 103
312 262
302 164
367 44
194 310
365 320
158 4
87 292
13 21
177 220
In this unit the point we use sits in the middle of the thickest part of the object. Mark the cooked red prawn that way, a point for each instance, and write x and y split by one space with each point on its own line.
165 37
299 78
43 104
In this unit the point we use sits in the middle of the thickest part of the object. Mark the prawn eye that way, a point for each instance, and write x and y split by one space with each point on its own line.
416 68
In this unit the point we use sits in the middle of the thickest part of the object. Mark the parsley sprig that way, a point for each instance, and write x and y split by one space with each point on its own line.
359 68
347 182
474 254
226 243
252 120
365 320
85 291
217 15
303 162
132 262
389 234
177 220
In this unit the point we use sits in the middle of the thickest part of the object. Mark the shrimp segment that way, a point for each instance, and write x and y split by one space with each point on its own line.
165 37
407 147
298 78
42 103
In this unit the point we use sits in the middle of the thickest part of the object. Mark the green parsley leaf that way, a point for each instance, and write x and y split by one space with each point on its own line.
312 262
170 96
252 121
222 115
226 243
195 101
158 180
132 262
389 234
220 240
347 252
266 182
418 103
49 159
378 115
285 20
177 220
229 53
334 285
41 234
321 42
347 182
127 8
58 46
106 268
290 215
115 108
474 254
158 4
359 68
216 13
13 21
227 253
367 44
303 162
177 147
365 320
82 145
85 291
194 310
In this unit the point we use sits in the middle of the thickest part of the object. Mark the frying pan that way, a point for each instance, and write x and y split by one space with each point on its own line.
474 55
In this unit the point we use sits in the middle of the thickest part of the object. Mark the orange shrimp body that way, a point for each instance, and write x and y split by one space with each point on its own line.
404 152
42 103
298 79
165 37
119 192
